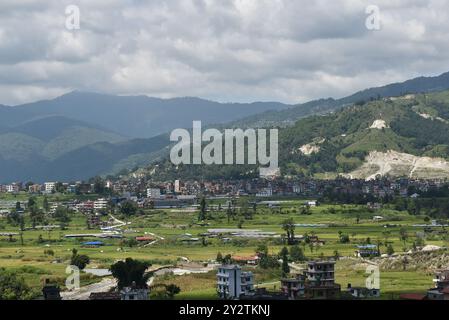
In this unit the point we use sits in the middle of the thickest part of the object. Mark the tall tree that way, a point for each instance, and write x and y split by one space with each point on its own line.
285 266
131 272
289 227
79 260
46 205
128 208
202 213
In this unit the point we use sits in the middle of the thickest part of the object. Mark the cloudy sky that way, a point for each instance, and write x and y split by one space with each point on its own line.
226 50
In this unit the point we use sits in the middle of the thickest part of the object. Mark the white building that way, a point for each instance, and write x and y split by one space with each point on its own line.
297 189
153 193
49 187
100 204
312 204
265 192
232 282
177 186
12 188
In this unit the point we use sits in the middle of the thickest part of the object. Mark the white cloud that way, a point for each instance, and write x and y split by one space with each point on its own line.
240 50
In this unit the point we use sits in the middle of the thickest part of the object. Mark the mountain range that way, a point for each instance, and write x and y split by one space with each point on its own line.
80 135
406 136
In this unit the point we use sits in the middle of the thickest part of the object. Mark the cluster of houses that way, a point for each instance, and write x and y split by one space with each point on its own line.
47 187
262 188
317 282
440 291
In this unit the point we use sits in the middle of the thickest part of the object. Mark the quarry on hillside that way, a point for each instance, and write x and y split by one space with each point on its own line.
379 124
312 147
398 164
428 116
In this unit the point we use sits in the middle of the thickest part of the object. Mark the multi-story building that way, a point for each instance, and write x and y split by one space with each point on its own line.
294 288
316 282
441 290
35 188
265 192
320 280
12 188
232 282
100 204
153 193
177 186
49 187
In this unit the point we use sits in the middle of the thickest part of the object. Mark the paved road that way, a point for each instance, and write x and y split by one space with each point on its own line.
84 292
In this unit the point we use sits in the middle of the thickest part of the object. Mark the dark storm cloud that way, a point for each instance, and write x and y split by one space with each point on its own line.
238 50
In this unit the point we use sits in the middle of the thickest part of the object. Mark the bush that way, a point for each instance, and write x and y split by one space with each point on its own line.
13 287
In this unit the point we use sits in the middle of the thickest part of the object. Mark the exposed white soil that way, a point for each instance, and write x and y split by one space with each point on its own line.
310 148
406 97
379 124
428 116
398 164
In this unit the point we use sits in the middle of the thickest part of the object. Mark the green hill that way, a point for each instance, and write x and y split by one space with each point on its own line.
403 136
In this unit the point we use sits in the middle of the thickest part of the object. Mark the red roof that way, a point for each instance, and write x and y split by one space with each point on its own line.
413 296
144 238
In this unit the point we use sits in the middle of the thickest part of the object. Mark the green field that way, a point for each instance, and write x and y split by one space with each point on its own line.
34 265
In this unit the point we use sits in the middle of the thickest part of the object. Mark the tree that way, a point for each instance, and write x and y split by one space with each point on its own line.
13 287
297 254
229 212
21 228
131 272
46 205
31 202
202 213
227 259
405 262
289 227
344 238
99 185
245 210
14 218
36 215
285 266
79 260
403 235
62 215
337 255
262 250
265 260
128 208
390 250
172 290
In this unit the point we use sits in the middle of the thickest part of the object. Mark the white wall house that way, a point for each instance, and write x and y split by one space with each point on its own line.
12 188
232 282
265 192
153 193
49 187
100 204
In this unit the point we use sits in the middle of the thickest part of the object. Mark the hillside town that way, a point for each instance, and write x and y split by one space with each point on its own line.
260 188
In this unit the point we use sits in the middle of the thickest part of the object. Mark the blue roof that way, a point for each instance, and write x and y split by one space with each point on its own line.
367 246
93 243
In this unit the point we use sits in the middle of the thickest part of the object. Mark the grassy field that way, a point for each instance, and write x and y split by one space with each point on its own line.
31 261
